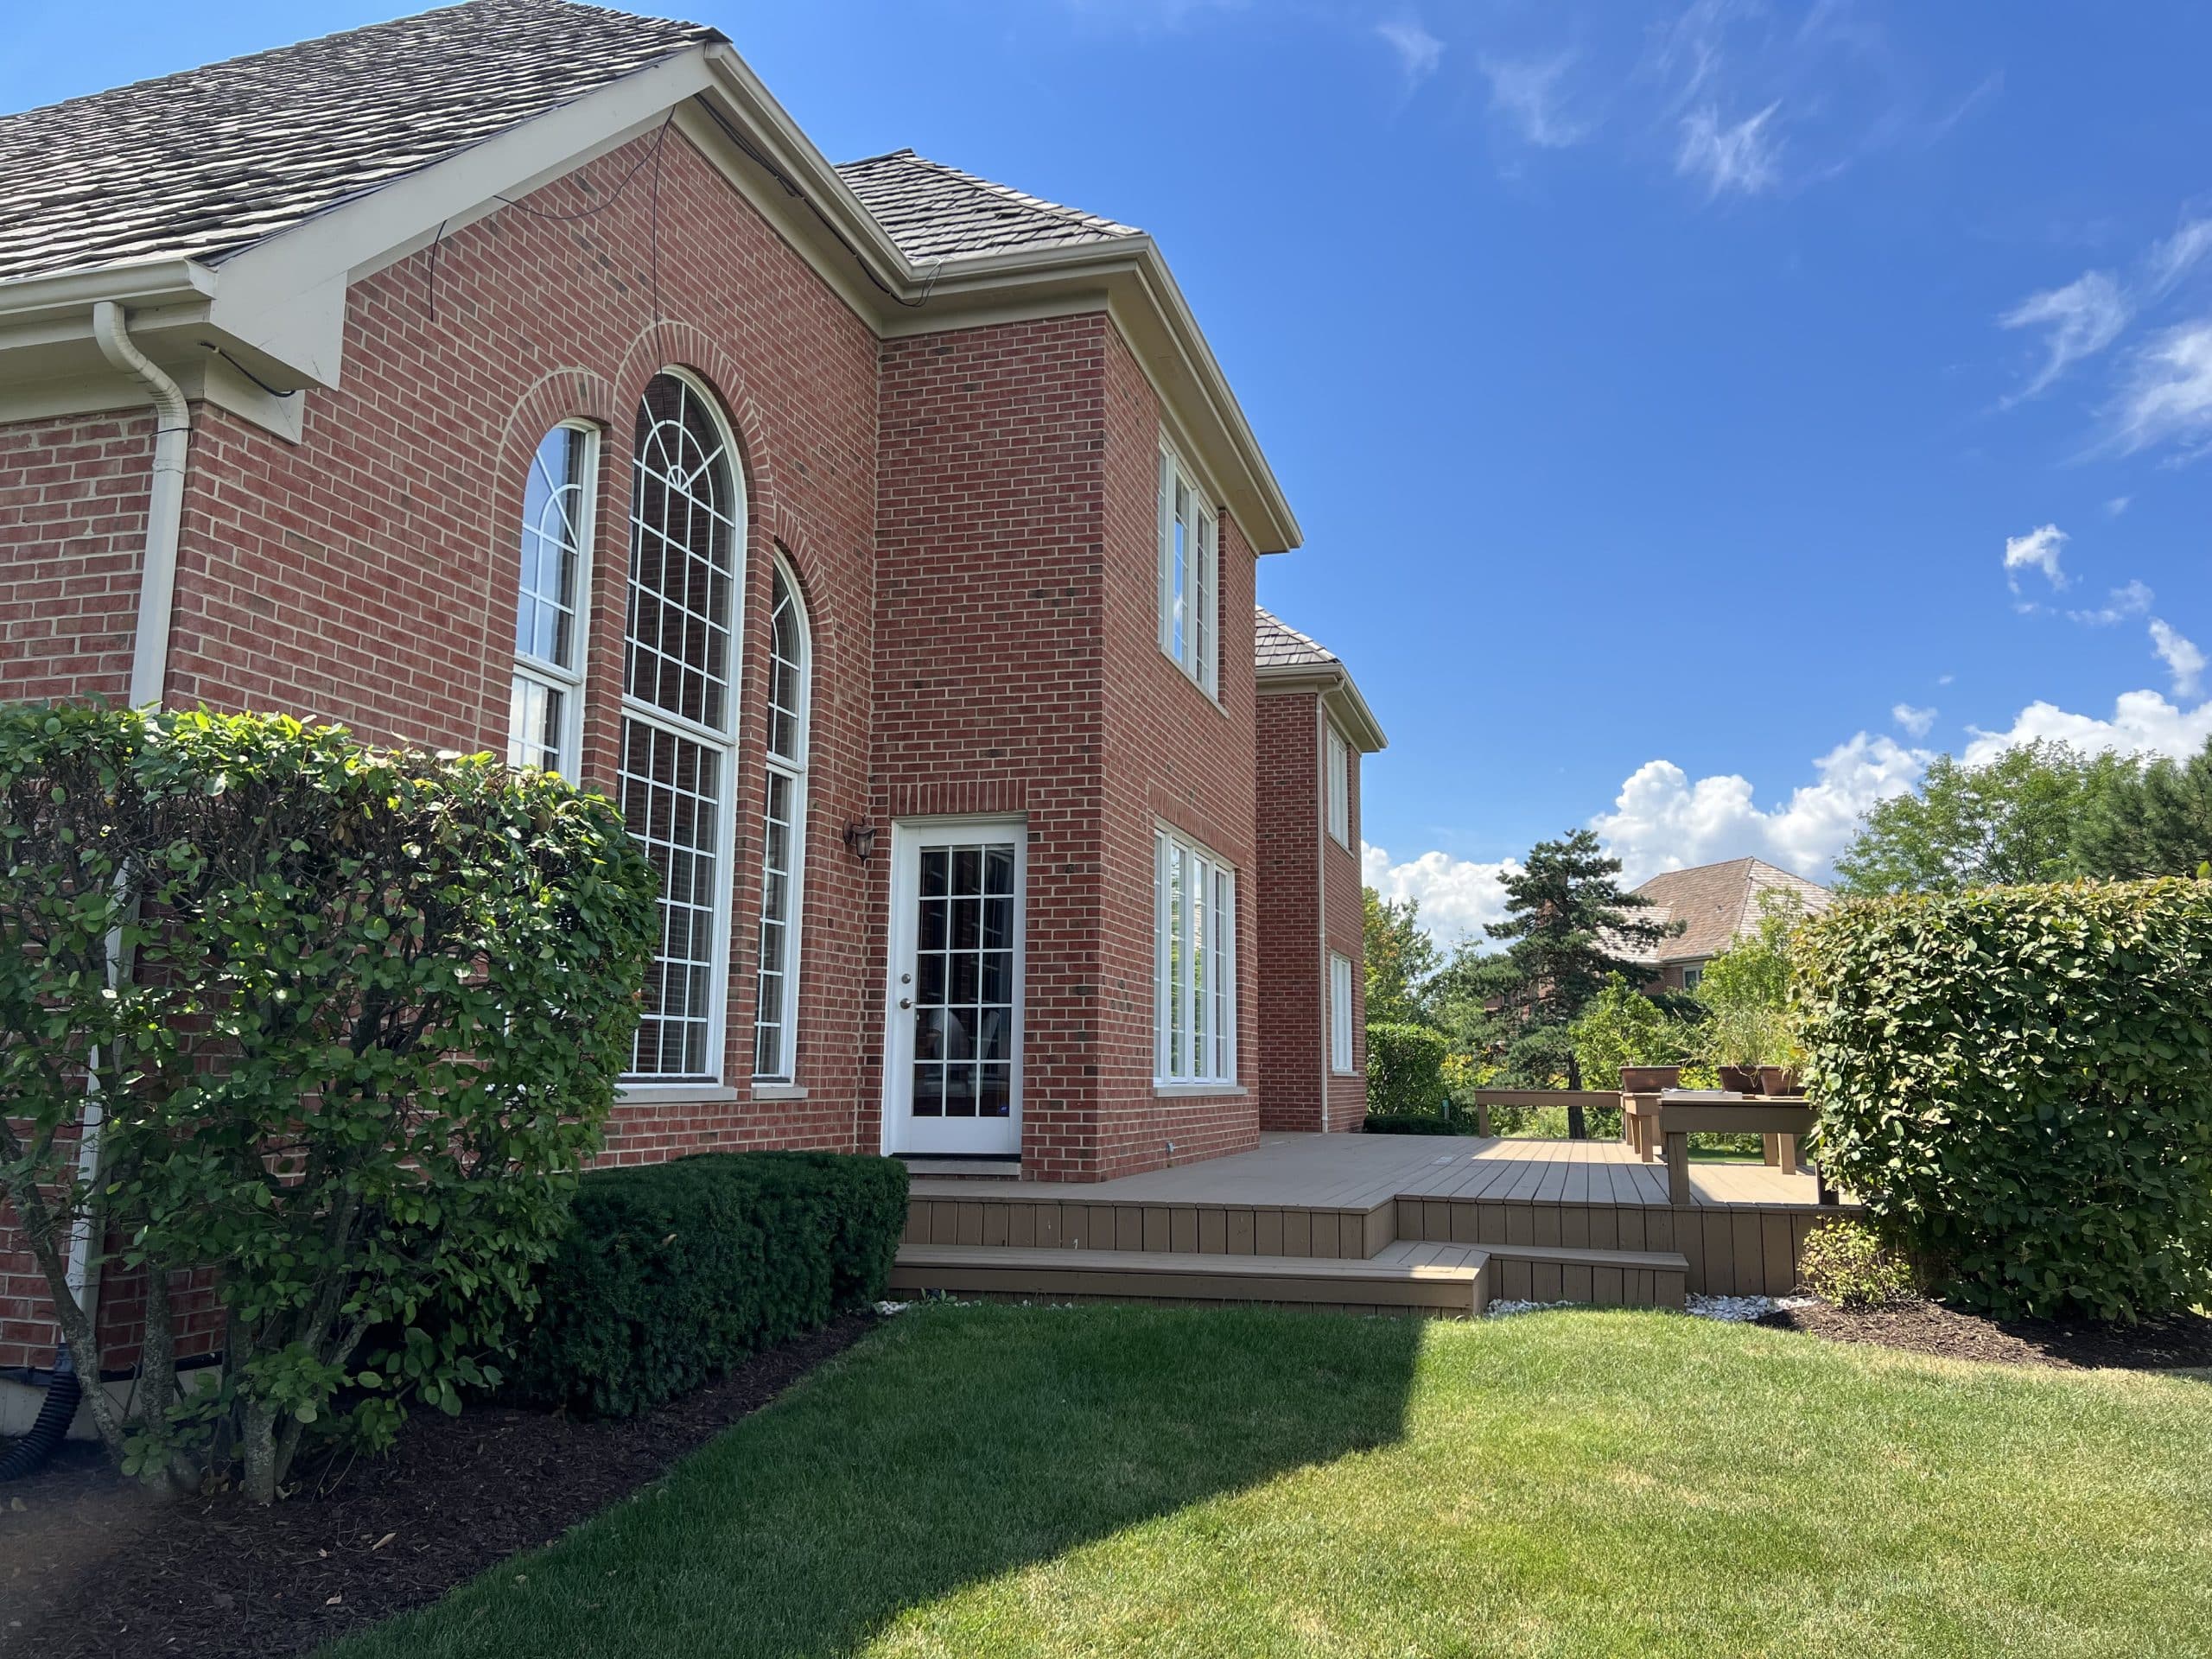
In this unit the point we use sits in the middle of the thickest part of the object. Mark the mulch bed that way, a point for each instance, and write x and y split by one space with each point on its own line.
90 1565
2184 1340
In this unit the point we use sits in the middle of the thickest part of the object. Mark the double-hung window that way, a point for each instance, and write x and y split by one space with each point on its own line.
1340 1012
687 527
1190 561
1339 787
1194 909
546 707
783 857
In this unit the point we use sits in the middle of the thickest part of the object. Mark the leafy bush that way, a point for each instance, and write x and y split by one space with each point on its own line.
1621 1026
368 1013
1459 1122
1405 1069
1844 1262
2018 1082
670 1274
1746 992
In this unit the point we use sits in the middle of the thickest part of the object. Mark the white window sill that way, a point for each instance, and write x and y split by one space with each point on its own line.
1346 1072
768 1089
702 1093
1196 1090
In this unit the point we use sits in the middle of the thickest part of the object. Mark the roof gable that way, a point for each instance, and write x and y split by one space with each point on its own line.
201 164
1718 903
1276 644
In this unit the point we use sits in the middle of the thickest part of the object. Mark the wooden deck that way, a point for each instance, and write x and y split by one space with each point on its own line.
1555 1220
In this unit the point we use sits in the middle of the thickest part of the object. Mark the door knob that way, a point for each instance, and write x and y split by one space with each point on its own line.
905 1002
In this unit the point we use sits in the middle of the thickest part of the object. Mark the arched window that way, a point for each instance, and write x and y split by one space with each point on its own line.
545 711
784 842
687 526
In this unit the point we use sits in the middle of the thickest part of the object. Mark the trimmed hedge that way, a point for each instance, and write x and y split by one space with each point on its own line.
2018 1081
1421 1123
670 1274
1405 1071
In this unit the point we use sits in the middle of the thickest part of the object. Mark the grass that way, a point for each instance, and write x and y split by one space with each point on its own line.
1100 1481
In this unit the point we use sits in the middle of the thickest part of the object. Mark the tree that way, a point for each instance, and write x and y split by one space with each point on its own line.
367 1013
2149 820
1400 958
1569 928
1623 1026
2009 820
1746 991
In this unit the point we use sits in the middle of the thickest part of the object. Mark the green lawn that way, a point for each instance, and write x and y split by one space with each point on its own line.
990 1481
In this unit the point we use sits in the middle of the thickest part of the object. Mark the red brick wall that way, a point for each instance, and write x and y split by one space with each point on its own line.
1173 754
73 521
1293 1022
989 588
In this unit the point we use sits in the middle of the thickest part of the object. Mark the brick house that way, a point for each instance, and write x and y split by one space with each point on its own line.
1717 905
518 376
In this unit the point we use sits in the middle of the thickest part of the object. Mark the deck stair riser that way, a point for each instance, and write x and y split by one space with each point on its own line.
1736 1250
1447 1280
1330 1233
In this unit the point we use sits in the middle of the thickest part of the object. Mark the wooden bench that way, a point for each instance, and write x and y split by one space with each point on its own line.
1782 1122
1588 1099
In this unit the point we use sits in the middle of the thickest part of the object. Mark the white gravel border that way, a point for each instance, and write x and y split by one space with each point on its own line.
1731 1310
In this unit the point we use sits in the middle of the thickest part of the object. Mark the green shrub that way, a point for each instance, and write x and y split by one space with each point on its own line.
2017 1083
671 1273
367 1018
1844 1262
1405 1069
1460 1122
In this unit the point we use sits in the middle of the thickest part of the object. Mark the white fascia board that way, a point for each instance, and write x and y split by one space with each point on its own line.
1339 697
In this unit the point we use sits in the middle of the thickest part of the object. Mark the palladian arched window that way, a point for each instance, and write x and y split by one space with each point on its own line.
784 838
687 527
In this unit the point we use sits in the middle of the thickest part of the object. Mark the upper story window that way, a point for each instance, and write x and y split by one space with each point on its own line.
1190 563
545 710
1339 788
1194 915
687 524
783 858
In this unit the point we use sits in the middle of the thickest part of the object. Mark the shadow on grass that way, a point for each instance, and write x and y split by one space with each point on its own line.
957 1444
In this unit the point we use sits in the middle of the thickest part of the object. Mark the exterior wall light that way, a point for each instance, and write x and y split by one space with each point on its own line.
859 840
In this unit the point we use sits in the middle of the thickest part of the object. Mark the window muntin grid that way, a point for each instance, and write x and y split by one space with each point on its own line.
677 774
784 841
963 993
545 724
1194 964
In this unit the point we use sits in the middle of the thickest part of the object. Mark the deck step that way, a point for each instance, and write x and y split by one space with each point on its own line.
1033 1216
1449 1280
963 1169
1553 1273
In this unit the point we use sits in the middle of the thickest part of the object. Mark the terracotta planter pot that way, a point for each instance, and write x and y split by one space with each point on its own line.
1743 1079
1778 1080
1649 1079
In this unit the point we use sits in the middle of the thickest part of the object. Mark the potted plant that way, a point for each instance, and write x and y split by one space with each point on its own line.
1649 1079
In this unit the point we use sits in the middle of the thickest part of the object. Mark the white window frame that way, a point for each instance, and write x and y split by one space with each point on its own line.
1336 773
1693 975
1194 1018
565 680
791 770
723 741
1340 1011
1190 600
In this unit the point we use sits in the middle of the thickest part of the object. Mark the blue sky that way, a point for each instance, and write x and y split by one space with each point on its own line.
1699 414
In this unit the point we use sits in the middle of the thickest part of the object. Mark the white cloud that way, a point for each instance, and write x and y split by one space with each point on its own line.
2182 659
2037 550
1662 821
1741 156
1526 92
1916 721
2118 504
2141 721
1419 51
2168 396
2120 604
2083 318
1456 895
2172 260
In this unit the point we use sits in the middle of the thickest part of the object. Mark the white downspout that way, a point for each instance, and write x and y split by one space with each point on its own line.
150 662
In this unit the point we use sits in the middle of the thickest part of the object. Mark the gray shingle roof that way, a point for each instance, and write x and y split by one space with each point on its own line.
935 212
201 164
1718 903
1276 644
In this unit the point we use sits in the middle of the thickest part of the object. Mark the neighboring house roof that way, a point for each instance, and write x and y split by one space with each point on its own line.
936 211
202 165
1286 660
1718 903
1276 644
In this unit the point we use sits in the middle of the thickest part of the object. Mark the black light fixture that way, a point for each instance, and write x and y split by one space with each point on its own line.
859 840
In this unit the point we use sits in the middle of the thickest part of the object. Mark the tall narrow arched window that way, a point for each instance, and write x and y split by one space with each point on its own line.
687 527
784 842
545 710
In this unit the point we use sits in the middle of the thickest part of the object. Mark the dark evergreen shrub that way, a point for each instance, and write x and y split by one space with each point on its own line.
1405 1071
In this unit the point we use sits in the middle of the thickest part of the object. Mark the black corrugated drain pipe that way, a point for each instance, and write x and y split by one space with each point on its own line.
63 1393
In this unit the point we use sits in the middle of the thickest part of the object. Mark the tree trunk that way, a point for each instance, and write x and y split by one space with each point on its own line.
258 1443
1578 1126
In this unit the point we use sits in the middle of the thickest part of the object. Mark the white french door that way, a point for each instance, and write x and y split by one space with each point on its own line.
952 1036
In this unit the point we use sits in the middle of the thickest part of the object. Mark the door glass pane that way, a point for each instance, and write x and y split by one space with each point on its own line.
994 1091
962 983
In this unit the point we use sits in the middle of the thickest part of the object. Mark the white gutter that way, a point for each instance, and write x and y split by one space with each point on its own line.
149 662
